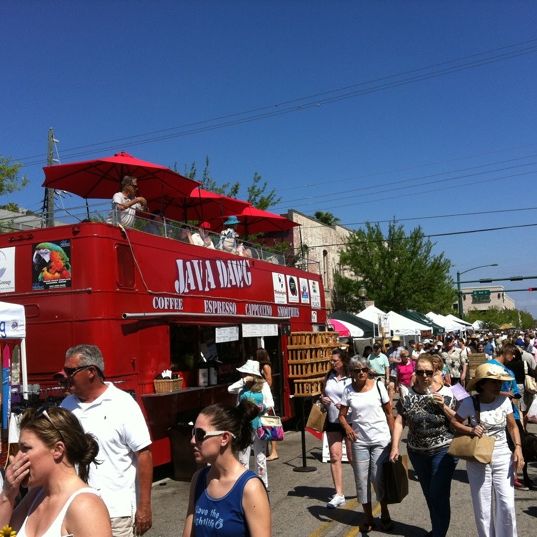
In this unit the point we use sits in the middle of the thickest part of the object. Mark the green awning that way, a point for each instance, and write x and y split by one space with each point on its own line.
423 319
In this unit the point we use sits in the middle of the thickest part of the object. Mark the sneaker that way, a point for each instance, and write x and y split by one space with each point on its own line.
336 501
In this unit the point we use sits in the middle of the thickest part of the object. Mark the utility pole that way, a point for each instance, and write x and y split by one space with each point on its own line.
48 202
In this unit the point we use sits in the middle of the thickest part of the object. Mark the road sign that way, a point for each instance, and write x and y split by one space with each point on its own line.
481 295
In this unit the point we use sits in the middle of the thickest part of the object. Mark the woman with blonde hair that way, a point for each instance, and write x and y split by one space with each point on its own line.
427 410
53 463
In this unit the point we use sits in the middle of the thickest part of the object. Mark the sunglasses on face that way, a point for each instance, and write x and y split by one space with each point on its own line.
361 370
72 371
424 372
200 435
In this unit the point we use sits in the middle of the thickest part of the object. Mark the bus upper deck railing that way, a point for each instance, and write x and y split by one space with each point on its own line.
154 224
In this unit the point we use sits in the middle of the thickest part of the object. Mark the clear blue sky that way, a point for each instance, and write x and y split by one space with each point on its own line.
456 142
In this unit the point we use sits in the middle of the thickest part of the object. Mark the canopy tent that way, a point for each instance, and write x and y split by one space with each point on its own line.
403 326
448 324
12 327
478 325
457 320
345 329
372 314
368 328
199 205
422 319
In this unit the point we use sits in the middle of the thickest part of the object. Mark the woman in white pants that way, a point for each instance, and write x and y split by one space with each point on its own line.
255 389
492 485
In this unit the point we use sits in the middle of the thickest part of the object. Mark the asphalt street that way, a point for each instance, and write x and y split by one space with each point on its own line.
299 501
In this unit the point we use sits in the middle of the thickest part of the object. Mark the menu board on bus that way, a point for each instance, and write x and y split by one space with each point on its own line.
51 265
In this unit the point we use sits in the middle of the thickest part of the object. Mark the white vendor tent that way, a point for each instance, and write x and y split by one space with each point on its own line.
403 326
448 324
478 325
372 314
457 320
12 327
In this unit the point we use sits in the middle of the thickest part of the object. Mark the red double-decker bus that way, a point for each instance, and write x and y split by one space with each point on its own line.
153 303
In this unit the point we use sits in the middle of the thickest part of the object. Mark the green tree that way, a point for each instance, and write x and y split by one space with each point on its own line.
10 180
399 270
345 296
326 217
497 318
11 206
257 193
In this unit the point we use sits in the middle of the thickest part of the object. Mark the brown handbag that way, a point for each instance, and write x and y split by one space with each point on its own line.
317 417
473 448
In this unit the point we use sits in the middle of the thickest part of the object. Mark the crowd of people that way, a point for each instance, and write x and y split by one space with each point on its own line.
426 387
93 452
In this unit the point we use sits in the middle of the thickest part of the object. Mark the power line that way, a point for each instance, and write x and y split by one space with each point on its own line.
427 217
428 236
307 102
325 197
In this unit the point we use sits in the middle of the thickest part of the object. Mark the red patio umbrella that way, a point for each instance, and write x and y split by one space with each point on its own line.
200 205
253 220
101 178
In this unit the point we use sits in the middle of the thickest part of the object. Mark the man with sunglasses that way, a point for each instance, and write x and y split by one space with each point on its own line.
127 201
125 473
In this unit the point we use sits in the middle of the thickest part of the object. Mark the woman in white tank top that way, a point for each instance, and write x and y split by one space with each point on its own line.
52 446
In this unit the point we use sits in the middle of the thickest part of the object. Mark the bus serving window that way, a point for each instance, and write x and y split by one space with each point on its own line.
125 267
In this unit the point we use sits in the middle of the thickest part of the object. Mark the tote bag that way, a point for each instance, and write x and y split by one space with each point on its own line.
473 448
317 417
395 481
271 428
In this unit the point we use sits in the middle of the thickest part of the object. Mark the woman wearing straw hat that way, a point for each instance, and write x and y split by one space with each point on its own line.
492 483
253 387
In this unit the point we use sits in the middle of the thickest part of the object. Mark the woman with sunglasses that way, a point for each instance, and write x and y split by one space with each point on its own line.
492 484
225 499
370 432
53 463
427 410
334 383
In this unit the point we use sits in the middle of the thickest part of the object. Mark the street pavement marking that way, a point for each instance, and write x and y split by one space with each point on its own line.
325 527
355 531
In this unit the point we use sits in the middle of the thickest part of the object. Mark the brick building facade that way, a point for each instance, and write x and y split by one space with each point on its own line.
319 246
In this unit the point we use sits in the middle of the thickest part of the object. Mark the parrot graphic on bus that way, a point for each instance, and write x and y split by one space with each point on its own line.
51 262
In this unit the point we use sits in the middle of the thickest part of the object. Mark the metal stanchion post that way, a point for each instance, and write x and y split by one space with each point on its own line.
304 467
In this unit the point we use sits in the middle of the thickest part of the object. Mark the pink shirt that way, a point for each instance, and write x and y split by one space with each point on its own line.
404 372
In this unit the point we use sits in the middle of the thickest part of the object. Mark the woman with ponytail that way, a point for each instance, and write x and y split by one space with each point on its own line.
225 499
52 446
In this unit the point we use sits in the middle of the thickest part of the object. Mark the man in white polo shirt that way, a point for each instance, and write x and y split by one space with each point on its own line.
125 475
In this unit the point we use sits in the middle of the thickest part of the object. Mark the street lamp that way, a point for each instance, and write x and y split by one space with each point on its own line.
459 294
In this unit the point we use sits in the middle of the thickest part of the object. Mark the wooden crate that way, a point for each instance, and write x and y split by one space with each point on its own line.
308 387
309 357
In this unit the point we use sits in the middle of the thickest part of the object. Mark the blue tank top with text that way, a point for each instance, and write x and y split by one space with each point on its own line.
222 517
